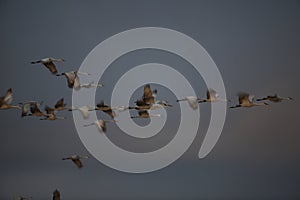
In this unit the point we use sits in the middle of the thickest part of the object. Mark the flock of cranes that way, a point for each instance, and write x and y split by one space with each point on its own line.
143 105
244 99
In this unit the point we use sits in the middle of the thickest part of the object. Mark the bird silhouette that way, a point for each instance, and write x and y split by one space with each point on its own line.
101 125
32 107
105 108
60 105
192 101
84 110
56 195
76 160
211 96
149 95
73 80
274 98
50 114
245 100
49 63
5 101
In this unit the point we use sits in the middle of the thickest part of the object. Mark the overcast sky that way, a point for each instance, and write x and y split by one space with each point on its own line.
255 45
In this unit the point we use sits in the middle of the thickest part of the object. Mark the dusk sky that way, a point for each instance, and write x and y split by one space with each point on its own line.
256 47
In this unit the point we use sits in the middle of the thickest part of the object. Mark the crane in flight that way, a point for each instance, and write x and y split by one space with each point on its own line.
100 124
76 159
56 195
73 80
50 114
245 100
211 96
274 98
49 63
5 101
192 101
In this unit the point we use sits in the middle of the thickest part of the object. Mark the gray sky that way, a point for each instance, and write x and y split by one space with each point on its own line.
255 45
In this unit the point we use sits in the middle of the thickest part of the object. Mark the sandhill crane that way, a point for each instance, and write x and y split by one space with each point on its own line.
141 105
50 114
60 105
105 108
56 195
149 95
211 96
31 106
145 114
49 63
35 111
76 160
245 100
147 100
25 109
73 78
5 102
274 98
192 100
84 110
101 125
